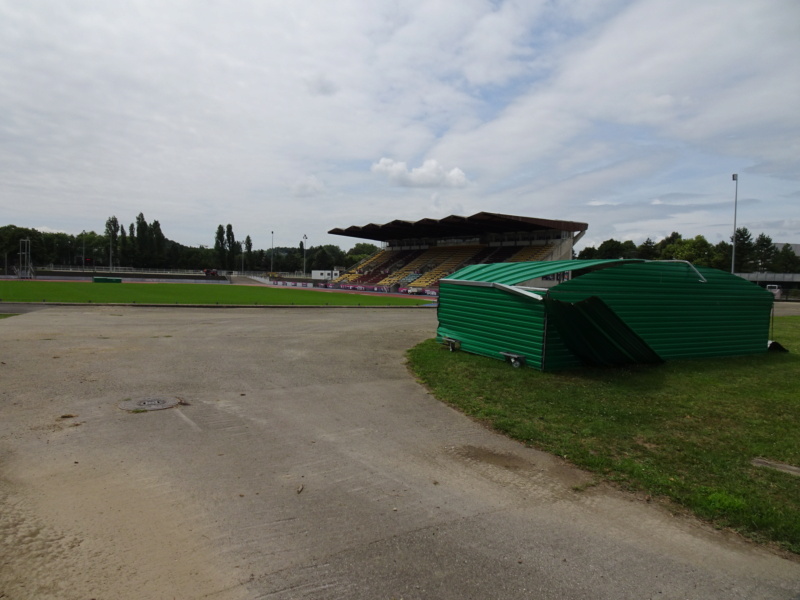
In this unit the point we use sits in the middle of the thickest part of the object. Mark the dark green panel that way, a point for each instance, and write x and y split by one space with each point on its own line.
556 354
594 333
488 321
675 309
675 312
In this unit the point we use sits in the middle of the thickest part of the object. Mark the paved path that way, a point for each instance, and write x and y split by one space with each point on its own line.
305 463
786 309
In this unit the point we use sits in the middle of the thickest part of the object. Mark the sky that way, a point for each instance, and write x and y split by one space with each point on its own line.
289 119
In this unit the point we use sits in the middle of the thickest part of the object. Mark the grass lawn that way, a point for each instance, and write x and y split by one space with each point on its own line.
186 293
685 430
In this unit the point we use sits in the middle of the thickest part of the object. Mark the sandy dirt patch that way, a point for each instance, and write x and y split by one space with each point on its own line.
305 462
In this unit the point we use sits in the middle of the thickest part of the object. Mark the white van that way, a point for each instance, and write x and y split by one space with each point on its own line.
775 289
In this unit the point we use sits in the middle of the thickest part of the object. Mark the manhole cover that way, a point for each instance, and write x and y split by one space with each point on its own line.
149 403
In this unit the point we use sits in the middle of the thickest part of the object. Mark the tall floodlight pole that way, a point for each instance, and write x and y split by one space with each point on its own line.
735 202
272 254
305 243
83 236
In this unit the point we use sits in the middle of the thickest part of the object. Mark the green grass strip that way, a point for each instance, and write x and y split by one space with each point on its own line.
686 430
187 293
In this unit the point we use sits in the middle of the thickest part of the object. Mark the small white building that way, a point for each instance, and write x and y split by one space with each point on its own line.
325 275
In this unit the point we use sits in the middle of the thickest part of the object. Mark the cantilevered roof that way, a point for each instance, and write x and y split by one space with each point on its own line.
456 226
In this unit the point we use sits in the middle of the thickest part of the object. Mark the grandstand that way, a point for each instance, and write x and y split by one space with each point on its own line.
415 255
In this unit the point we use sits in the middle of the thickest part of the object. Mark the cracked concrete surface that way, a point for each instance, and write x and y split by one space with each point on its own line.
304 462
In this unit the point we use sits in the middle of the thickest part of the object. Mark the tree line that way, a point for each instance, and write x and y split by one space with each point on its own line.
232 255
752 255
142 244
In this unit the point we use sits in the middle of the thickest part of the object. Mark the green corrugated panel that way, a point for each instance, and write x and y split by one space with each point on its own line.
556 354
514 273
596 334
489 321
676 313
666 304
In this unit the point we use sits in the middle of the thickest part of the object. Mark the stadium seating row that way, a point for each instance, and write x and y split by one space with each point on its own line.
424 268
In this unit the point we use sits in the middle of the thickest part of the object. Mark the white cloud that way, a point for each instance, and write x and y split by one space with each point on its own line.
576 109
686 200
430 174
307 187
322 86
602 203
496 49
46 229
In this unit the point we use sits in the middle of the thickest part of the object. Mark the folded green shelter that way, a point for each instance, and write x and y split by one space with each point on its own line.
558 314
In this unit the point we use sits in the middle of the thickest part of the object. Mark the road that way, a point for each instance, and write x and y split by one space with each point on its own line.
304 462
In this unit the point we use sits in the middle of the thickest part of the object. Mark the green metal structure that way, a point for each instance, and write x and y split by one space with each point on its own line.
559 314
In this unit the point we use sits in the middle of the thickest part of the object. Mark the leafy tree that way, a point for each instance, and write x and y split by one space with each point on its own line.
319 258
615 249
238 256
219 247
260 260
158 243
764 251
303 255
721 256
359 252
268 262
230 247
326 257
112 233
145 245
55 248
785 261
83 249
92 247
143 242
172 256
10 236
124 249
248 252
194 258
41 251
647 250
133 249
667 241
363 248
288 260
628 249
745 251
696 250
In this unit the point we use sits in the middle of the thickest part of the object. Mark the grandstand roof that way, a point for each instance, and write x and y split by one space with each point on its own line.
456 226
